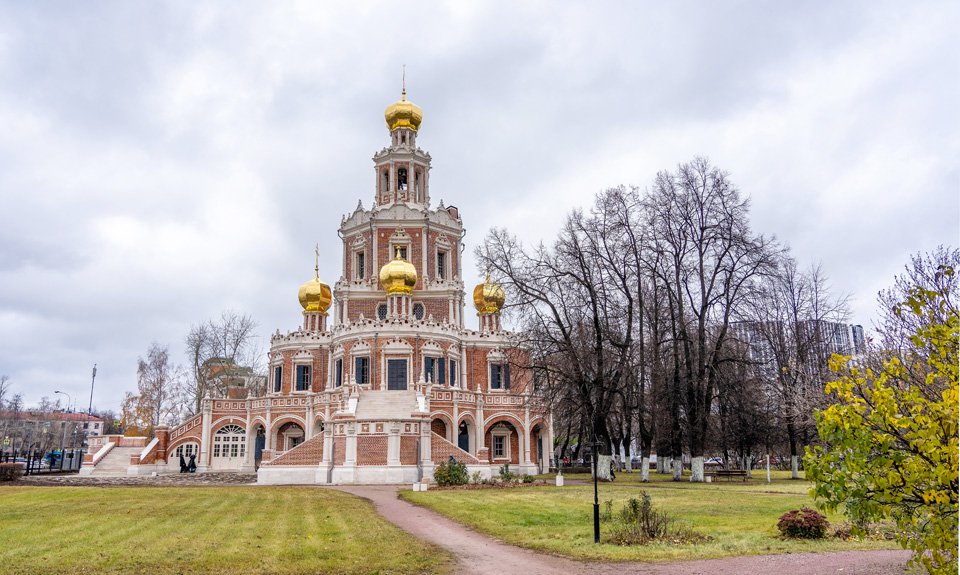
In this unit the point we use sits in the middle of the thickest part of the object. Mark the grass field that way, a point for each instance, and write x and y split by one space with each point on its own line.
216 530
740 517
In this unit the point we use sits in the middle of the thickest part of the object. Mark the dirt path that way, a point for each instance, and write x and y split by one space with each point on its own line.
481 555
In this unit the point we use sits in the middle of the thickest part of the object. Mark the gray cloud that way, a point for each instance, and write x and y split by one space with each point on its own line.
159 164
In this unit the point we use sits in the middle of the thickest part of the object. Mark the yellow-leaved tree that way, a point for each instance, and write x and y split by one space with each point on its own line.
889 447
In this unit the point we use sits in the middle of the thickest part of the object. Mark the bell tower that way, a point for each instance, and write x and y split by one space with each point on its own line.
402 168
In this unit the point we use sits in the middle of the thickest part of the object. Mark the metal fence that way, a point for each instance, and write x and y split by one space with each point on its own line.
36 462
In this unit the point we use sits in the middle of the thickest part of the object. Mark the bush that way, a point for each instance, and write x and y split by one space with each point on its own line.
477 478
11 471
804 523
505 474
450 474
639 523
527 478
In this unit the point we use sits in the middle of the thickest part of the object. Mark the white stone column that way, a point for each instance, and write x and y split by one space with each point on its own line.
207 413
526 437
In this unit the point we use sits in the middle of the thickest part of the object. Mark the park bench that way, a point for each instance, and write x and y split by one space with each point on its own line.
729 473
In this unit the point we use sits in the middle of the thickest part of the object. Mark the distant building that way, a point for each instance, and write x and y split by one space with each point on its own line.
45 430
824 338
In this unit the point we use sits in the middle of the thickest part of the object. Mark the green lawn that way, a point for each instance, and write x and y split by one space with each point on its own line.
740 517
217 530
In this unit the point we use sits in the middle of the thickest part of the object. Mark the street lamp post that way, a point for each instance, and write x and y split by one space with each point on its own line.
596 494
63 440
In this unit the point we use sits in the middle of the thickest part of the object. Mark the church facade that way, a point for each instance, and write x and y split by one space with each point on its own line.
382 380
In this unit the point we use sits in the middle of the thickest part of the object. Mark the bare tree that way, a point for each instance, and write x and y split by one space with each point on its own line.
710 262
792 320
227 344
160 398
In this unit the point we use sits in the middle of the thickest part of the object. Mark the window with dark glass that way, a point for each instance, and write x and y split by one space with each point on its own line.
361 369
338 373
397 374
382 311
441 265
303 377
418 310
496 376
453 373
500 376
361 265
429 369
277 378
441 372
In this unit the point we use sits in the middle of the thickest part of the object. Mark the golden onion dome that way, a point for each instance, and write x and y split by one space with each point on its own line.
315 295
403 114
398 275
488 297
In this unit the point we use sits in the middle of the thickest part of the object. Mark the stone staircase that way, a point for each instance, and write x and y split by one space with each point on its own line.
386 405
115 462
441 450
310 452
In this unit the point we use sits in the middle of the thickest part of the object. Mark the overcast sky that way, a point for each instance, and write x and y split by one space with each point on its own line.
163 162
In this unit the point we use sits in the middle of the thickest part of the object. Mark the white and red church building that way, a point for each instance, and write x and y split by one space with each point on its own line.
382 381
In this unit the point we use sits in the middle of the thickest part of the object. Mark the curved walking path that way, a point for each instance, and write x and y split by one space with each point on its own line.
481 555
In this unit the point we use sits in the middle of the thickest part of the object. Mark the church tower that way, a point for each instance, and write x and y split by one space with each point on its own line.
401 229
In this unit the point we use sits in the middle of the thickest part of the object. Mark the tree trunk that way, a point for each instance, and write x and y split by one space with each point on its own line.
696 469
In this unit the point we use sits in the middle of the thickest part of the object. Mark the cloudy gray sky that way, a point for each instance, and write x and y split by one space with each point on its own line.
162 162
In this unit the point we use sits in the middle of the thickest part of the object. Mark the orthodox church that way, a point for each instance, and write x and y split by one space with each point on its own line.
382 381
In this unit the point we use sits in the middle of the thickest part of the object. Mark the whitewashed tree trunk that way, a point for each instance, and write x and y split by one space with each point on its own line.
645 469
663 465
603 467
749 465
794 467
677 469
696 469
626 464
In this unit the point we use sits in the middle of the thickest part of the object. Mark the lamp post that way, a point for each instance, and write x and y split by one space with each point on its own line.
93 378
63 440
596 495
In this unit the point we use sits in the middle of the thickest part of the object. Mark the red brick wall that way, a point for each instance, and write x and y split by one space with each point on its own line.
339 450
372 450
439 427
408 450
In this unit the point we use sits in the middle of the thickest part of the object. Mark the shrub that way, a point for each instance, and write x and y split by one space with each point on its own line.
476 478
527 478
447 474
11 471
505 474
639 523
804 523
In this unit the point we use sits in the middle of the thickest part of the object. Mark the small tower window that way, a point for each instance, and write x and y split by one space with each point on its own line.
418 310
338 373
382 311
277 378
402 179
441 265
361 265
385 181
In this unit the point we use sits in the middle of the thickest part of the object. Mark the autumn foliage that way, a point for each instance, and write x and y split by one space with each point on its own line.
890 447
